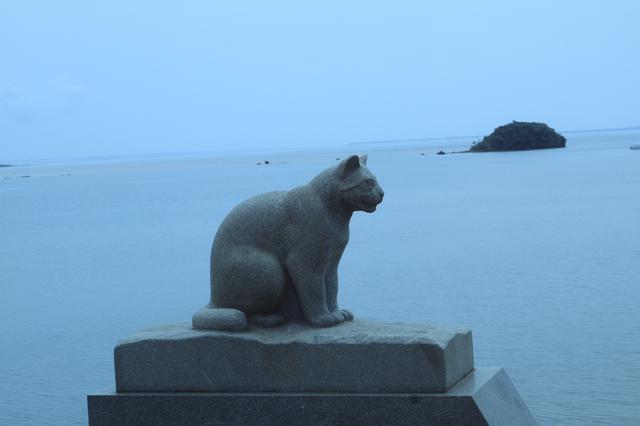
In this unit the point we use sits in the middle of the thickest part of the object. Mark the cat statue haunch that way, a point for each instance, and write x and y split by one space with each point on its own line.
275 256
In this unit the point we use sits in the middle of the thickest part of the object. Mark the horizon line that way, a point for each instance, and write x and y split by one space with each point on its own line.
125 156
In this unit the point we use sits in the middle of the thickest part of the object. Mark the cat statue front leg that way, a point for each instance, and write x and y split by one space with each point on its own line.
308 280
331 290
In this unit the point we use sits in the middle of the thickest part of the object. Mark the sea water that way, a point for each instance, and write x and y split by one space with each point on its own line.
537 252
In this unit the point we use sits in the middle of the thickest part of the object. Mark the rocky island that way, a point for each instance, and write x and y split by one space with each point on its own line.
519 136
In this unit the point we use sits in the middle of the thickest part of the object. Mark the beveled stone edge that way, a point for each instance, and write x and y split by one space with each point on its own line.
454 375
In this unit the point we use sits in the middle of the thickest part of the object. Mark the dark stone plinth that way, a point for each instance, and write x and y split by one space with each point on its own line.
359 356
484 397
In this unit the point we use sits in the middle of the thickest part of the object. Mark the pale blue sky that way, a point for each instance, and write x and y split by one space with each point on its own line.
81 78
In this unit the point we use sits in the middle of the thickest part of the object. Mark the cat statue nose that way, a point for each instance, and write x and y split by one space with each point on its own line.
381 194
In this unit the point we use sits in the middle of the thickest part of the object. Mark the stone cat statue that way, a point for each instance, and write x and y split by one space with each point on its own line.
275 256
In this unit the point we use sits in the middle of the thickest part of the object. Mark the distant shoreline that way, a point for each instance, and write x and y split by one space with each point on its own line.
5 165
444 138
608 129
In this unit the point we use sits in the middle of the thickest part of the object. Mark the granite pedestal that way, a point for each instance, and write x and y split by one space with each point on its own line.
357 373
356 356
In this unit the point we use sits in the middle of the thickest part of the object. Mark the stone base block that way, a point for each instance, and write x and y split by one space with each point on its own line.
484 397
356 356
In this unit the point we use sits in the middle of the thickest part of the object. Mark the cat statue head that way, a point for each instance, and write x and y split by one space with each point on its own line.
358 187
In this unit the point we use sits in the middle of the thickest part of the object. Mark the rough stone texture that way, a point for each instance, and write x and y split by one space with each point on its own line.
484 397
275 256
358 356
520 135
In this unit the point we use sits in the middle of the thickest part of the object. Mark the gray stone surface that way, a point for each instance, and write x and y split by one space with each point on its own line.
356 356
275 256
484 397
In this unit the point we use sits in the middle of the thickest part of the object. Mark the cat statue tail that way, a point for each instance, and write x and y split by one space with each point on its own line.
211 318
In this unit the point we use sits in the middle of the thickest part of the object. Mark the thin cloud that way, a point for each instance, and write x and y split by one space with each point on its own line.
16 105
62 84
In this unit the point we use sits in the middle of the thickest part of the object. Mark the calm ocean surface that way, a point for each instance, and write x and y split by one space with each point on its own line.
537 252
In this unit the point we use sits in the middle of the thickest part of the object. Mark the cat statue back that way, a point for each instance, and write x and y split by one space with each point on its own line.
275 256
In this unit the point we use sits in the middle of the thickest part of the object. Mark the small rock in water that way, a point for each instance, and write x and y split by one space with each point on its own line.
266 161
258 163
440 153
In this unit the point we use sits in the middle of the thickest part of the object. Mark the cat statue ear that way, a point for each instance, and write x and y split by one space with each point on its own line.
348 166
